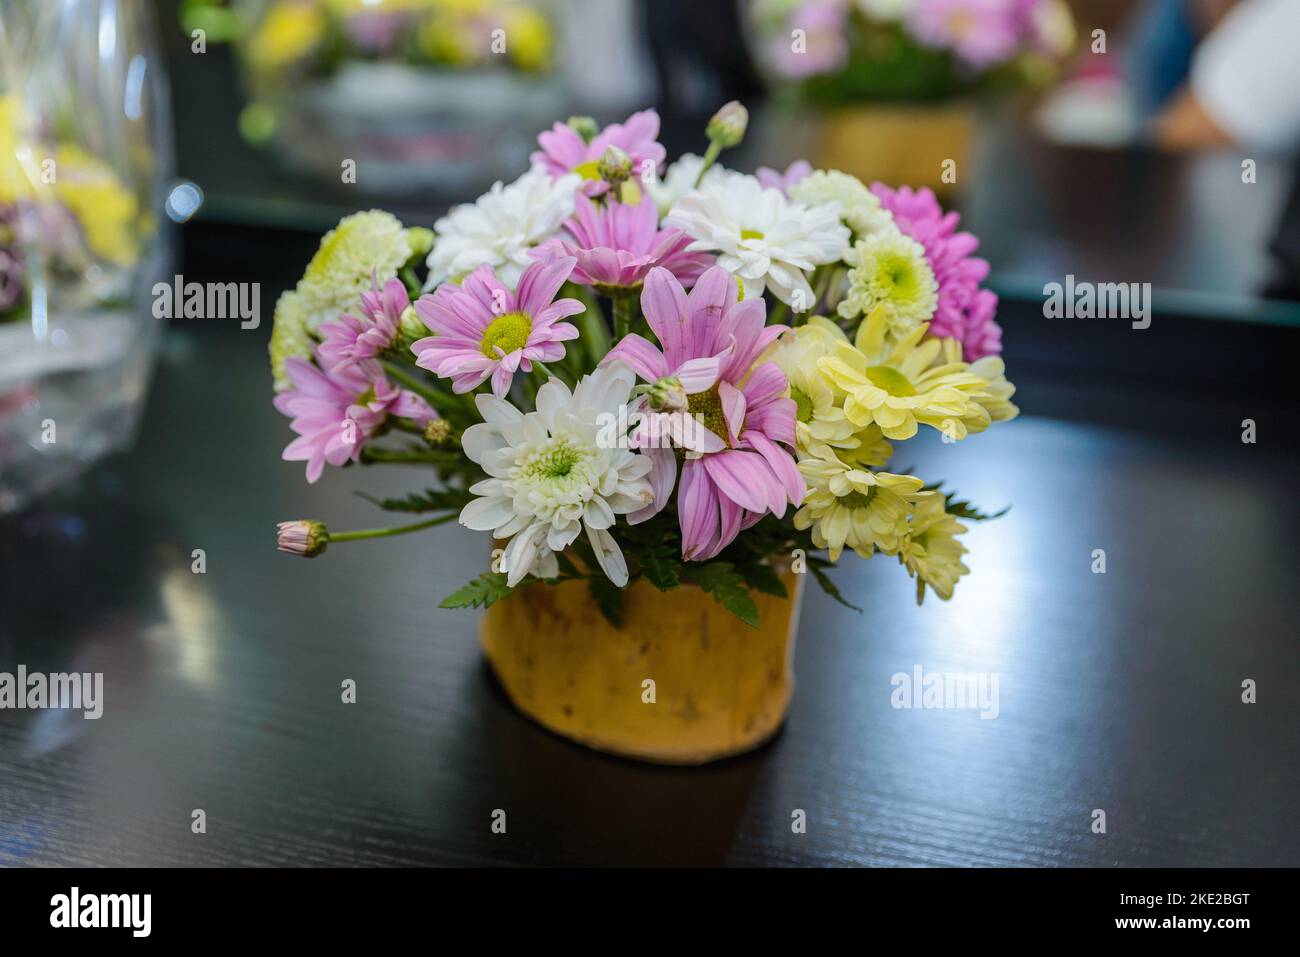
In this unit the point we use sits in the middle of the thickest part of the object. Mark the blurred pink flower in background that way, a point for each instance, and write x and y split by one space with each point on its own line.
979 32
823 44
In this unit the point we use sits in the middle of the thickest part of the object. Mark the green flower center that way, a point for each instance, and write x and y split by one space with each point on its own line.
803 406
707 408
891 380
507 333
896 279
857 499
555 462
750 234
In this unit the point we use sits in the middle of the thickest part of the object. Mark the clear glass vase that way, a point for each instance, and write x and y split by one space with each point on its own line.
85 151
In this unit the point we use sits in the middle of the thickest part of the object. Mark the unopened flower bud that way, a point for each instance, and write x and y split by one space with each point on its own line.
421 240
666 394
411 325
615 165
438 432
585 127
727 128
303 537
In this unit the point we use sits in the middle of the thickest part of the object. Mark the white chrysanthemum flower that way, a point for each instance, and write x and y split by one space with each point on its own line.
501 226
551 475
766 240
859 207
679 179
889 269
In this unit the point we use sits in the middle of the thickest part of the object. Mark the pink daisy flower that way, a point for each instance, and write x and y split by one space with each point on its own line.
825 28
616 245
965 312
335 412
483 329
737 470
980 33
774 179
349 339
564 151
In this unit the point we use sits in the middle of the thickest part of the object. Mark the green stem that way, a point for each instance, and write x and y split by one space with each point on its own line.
710 157
547 372
361 533
414 383
591 324
624 312
778 313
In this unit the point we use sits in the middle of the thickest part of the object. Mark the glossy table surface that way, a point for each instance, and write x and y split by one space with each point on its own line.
1118 691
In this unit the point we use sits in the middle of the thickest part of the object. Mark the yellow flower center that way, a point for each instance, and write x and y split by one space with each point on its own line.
707 408
891 380
506 333
588 170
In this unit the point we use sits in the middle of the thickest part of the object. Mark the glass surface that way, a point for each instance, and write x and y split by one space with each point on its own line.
84 151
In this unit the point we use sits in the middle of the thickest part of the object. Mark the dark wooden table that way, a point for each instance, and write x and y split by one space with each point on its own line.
1119 691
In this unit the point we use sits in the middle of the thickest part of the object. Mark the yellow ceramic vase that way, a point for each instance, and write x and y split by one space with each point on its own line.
682 682
903 144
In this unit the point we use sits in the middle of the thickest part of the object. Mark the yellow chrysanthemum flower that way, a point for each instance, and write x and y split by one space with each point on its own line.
530 38
852 507
930 549
896 385
820 421
14 182
288 33
108 212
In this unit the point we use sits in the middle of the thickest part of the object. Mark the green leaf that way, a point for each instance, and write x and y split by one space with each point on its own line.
828 586
482 592
968 511
608 598
433 500
661 568
763 578
727 586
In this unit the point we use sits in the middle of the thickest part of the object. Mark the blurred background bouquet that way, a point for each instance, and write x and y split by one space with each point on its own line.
895 82
426 93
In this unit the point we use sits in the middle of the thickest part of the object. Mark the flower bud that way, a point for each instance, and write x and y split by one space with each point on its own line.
439 433
585 127
421 240
303 537
727 128
615 165
666 394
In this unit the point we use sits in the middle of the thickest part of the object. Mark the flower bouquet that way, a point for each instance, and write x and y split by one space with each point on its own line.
667 396
424 92
896 80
